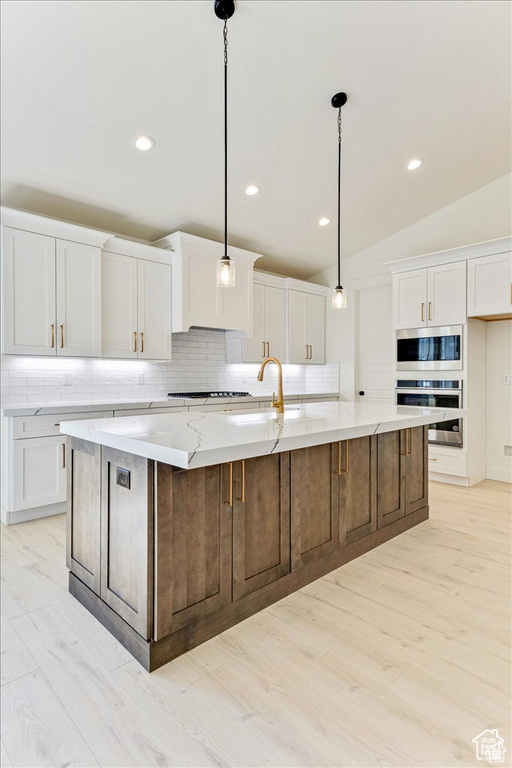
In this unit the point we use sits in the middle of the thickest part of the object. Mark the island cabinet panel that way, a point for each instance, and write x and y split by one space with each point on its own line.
416 469
357 488
314 503
127 538
261 522
192 544
391 467
84 512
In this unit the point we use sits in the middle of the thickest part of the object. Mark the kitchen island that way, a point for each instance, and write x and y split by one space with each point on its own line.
181 525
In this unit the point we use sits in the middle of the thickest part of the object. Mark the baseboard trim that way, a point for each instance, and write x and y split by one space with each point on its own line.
34 513
152 655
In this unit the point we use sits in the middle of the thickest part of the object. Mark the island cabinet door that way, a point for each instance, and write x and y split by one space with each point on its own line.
357 470
314 500
261 522
192 544
126 537
84 511
416 469
391 461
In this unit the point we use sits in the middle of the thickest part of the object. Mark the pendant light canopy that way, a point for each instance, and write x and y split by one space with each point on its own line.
339 296
224 9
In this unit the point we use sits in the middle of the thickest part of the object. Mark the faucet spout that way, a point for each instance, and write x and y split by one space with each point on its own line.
279 403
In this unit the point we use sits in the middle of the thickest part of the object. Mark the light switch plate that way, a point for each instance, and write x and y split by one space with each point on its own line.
140 378
505 378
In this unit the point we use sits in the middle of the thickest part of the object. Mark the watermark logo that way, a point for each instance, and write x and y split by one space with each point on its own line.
490 746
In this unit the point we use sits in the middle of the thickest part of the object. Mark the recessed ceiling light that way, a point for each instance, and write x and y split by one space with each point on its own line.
415 163
252 189
144 143
323 222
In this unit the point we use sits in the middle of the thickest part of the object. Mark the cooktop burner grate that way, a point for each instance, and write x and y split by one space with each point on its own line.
204 395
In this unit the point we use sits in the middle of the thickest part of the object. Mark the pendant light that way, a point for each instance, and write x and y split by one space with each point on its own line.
339 296
224 9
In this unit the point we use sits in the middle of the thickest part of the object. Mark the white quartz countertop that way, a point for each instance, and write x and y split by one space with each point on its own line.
113 404
202 438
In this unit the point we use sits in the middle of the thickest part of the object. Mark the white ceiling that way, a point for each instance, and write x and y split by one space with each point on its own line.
82 79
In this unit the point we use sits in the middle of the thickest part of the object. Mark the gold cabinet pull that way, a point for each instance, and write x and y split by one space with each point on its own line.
345 468
263 342
431 459
53 336
310 351
268 349
307 351
63 455
57 424
430 310
141 341
409 440
422 311
62 337
401 440
242 497
135 341
230 502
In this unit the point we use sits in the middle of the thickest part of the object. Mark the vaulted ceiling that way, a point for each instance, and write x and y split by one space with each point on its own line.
80 80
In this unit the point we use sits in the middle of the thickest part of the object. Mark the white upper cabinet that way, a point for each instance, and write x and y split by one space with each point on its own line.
78 299
490 285
269 324
306 323
28 293
430 297
410 299
446 294
137 302
197 301
119 296
154 310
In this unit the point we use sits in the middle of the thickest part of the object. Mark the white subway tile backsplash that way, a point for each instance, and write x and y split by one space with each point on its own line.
198 363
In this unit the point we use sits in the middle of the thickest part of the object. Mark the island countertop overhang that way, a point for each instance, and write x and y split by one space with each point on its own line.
200 439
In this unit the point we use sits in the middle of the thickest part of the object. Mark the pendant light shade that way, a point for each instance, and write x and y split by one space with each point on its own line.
339 296
224 9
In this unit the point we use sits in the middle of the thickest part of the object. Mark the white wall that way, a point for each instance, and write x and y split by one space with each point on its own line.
483 215
499 400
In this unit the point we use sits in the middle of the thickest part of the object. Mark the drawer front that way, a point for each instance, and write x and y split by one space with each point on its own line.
149 411
453 463
229 406
49 424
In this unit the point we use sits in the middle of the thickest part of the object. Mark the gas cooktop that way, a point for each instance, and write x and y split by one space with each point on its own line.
204 395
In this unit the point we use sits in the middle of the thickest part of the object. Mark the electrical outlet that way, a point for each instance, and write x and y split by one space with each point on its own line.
507 450
505 378
140 378
123 477
66 380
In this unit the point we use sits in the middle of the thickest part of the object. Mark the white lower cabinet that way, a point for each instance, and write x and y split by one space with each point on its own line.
39 472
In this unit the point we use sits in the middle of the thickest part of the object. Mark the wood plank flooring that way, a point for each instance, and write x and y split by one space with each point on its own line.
399 658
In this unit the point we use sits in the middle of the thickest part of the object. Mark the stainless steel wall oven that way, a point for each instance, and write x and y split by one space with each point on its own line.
432 393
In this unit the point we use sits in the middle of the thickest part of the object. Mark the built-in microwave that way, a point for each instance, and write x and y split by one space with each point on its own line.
429 349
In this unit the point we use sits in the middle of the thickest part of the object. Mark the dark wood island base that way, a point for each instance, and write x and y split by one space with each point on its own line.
179 556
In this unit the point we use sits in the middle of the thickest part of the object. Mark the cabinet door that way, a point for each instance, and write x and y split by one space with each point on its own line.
261 522
126 538
39 472
297 327
28 293
410 299
391 458
416 469
78 300
154 310
192 544
490 285
314 499
446 294
316 329
254 348
357 488
119 305
275 321
84 512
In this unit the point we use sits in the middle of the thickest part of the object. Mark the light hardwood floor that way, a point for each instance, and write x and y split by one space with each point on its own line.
399 658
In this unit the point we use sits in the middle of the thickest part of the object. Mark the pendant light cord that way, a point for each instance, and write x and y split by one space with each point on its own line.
225 33
339 198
